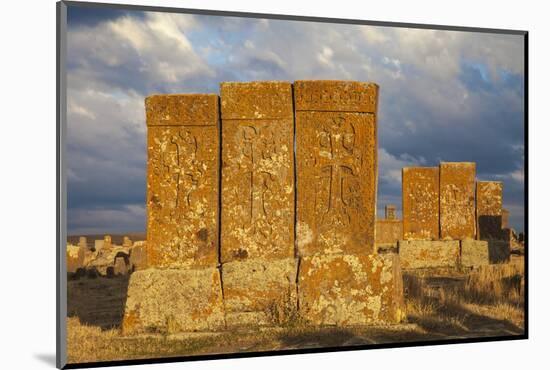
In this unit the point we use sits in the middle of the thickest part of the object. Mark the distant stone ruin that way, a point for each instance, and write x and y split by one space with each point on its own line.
450 220
238 234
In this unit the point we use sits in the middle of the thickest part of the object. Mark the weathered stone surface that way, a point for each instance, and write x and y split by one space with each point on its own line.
257 171
336 96
174 300
182 180
126 242
457 200
138 256
416 254
259 291
420 188
505 218
489 209
83 242
74 258
98 245
390 211
120 267
388 231
474 253
107 242
350 289
499 251
336 166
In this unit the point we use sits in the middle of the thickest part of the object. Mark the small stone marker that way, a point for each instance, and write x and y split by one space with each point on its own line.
83 242
120 267
257 171
182 180
457 200
390 212
126 242
98 245
107 242
336 154
138 256
420 190
489 209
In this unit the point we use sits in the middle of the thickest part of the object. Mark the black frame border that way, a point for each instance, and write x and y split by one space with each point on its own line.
61 189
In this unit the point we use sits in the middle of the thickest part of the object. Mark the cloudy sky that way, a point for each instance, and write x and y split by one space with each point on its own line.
444 96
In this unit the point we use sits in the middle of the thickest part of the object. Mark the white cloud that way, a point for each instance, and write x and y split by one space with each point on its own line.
389 166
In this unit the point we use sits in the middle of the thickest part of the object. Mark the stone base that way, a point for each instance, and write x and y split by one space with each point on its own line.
499 251
474 253
259 292
415 254
350 290
174 300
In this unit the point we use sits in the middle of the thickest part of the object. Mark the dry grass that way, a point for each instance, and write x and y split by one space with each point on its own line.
484 302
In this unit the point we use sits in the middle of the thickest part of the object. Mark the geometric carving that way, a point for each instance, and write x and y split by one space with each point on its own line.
336 166
420 203
257 171
182 180
457 200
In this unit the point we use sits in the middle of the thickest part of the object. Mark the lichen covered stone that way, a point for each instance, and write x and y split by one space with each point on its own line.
259 291
474 253
417 254
420 203
174 300
350 290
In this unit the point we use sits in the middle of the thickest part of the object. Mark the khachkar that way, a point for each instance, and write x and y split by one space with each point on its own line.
489 210
257 224
457 200
340 280
420 196
181 288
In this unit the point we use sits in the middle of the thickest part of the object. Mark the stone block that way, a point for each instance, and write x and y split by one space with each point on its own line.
489 209
505 218
336 155
474 253
457 200
120 267
418 254
98 245
346 290
259 291
182 180
257 171
499 251
388 231
74 258
420 190
174 300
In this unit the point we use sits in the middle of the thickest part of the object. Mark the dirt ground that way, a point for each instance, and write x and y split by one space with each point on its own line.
485 302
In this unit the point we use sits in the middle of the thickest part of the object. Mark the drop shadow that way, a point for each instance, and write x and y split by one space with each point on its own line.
46 358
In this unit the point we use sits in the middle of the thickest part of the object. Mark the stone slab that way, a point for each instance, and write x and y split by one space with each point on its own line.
138 256
75 258
457 200
388 231
505 218
174 300
489 209
182 180
257 171
420 254
499 251
259 291
346 290
474 253
420 191
336 159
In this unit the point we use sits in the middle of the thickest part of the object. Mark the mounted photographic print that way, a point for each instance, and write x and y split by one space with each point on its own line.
234 184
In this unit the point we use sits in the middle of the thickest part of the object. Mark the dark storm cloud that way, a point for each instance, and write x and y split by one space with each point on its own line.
449 96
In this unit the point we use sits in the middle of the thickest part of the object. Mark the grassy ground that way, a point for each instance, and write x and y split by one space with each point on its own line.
482 303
